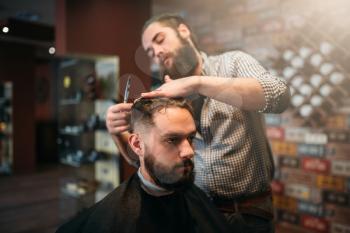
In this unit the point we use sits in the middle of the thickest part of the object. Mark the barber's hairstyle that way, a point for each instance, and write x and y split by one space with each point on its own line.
173 21
143 109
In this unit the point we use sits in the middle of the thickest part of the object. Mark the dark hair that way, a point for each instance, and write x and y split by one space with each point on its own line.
143 109
173 21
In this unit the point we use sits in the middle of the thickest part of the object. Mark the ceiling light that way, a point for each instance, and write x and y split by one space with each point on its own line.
52 50
5 29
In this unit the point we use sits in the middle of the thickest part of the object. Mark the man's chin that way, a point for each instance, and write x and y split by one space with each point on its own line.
178 186
183 183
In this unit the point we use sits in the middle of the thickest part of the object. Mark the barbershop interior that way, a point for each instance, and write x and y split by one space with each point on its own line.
63 64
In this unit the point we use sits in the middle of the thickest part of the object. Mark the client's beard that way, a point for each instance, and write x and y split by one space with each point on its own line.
185 62
166 177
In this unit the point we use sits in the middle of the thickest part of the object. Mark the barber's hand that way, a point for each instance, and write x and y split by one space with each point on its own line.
174 88
117 118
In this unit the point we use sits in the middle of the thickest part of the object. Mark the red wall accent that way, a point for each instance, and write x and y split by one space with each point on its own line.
44 107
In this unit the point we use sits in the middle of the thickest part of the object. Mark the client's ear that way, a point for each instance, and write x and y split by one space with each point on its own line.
136 144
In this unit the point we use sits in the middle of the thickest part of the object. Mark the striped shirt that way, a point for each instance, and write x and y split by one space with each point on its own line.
233 158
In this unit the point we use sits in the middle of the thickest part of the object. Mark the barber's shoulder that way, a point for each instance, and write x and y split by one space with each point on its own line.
228 56
235 54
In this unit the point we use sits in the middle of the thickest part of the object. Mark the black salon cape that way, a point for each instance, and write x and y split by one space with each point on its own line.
130 209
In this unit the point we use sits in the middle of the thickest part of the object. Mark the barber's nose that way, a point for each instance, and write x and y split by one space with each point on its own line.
158 51
186 149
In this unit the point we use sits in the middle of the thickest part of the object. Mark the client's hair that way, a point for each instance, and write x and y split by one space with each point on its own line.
143 109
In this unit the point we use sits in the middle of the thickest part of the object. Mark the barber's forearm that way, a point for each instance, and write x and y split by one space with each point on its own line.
121 142
243 93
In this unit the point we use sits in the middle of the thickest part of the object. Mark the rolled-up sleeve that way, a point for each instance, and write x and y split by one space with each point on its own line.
276 90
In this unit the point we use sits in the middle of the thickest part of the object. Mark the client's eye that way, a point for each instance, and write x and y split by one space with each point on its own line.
173 140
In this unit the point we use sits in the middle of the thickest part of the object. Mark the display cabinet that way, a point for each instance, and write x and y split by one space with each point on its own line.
87 86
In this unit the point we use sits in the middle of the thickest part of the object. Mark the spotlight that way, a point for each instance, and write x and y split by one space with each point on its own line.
52 50
5 29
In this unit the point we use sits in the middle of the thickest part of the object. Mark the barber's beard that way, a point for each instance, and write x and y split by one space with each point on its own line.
167 177
185 62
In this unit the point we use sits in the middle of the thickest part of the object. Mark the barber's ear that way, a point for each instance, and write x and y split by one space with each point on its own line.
136 144
184 31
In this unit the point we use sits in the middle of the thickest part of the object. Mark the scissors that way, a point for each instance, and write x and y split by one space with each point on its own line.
127 90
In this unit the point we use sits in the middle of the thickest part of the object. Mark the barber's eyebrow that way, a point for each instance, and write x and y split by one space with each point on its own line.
153 39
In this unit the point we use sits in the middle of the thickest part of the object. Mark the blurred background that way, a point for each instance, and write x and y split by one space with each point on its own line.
63 63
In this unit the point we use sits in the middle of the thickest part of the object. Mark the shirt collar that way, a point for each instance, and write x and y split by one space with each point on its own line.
151 188
205 65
